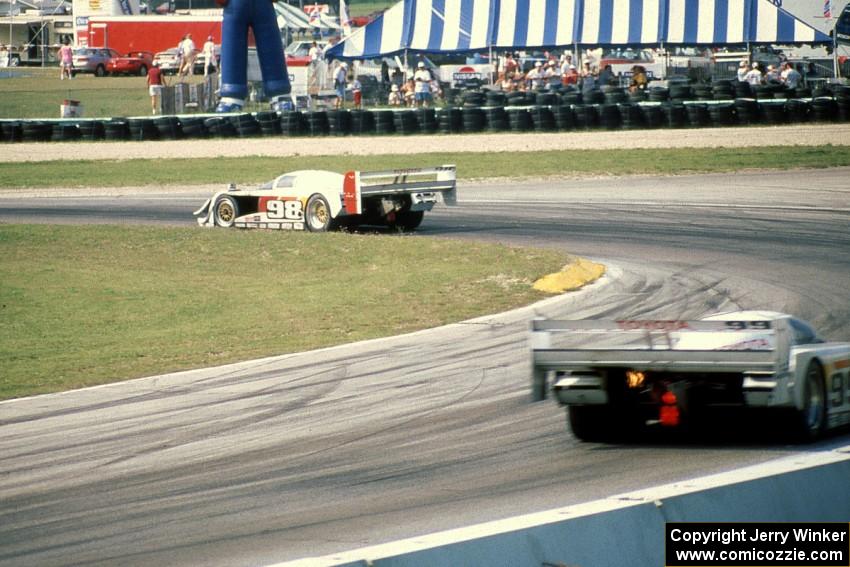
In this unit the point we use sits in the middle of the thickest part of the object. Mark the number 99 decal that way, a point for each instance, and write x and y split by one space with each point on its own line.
285 210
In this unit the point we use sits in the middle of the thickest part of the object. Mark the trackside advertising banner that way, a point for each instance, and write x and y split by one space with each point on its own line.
801 544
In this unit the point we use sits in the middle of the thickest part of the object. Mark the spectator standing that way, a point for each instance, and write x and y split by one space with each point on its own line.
422 89
339 84
395 98
588 78
552 75
187 53
357 93
315 54
155 81
66 61
754 76
408 91
536 78
790 77
210 60
511 66
743 68
639 80
606 76
772 75
570 77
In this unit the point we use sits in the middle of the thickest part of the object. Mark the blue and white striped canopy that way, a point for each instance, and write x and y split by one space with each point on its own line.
447 26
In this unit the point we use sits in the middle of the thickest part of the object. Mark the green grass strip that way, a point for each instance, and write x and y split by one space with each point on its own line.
132 172
85 305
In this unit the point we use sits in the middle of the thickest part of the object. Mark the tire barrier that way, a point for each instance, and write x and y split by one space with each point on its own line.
405 122
169 128
142 129
65 132
363 122
292 123
92 130
723 103
269 123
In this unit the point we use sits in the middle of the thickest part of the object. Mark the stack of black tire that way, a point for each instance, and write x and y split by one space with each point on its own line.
449 120
609 116
474 119
842 101
116 129
269 123
65 132
698 115
246 125
169 128
220 127
497 119
292 123
565 118
723 90
142 129
519 120
12 131
632 116
384 122
405 122
676 115
92 130
362 122
542 118
317 123
339 122
193 127
36 131
427 120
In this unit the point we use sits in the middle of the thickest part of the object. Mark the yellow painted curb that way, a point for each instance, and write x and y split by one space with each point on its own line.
572 276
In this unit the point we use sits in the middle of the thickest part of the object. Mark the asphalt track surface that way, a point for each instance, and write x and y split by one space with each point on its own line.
308 454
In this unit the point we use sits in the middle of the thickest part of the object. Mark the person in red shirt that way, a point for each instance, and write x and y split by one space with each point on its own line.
156 80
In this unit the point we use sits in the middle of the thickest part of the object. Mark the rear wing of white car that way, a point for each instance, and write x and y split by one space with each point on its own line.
360 184
667 345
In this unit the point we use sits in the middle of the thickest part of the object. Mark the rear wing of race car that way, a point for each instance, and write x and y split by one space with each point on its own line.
670 345
361 184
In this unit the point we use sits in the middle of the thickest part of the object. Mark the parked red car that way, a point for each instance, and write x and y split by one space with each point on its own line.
134 63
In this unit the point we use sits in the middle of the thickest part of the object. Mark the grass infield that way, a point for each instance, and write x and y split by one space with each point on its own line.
133 172
86 305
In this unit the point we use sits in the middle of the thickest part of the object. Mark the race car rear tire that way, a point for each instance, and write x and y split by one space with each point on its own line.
407 221
317 214
811 419
590 423
225 211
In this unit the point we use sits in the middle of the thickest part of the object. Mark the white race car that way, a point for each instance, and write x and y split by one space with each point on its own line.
323 200
621 374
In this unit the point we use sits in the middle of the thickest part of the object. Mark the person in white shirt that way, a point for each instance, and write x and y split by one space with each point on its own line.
315 54
187 55
754 76
210 62
422 90
536 77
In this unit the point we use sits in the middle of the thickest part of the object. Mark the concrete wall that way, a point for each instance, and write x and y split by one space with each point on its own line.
628 529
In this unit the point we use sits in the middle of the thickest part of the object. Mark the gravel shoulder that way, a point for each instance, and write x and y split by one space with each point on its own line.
802 135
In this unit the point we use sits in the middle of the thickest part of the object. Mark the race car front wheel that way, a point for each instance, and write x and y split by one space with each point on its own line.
317 215
811 418
226 209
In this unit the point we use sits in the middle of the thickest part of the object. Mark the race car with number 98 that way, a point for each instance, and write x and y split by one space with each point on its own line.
318 201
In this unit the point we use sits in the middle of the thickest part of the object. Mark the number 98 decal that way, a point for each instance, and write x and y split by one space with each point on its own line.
285 210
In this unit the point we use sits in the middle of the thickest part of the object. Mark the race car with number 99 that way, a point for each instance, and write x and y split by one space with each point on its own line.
318 201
